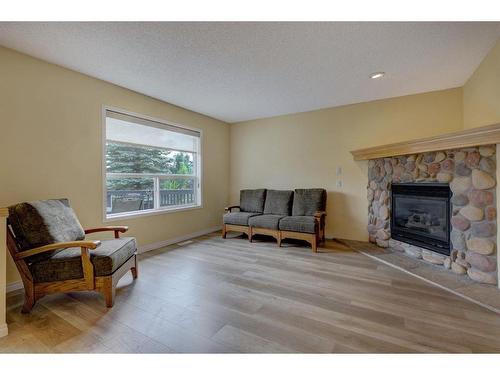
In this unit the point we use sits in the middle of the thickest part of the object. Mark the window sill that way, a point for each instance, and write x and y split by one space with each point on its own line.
138 214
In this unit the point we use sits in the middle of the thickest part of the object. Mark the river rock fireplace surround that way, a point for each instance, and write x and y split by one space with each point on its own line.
454 224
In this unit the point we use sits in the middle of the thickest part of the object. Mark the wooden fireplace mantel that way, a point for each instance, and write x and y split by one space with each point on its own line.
484 135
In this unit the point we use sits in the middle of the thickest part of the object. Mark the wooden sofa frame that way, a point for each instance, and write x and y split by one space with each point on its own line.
106 285
313 238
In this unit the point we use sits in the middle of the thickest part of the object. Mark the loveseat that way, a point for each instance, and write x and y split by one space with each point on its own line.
298 214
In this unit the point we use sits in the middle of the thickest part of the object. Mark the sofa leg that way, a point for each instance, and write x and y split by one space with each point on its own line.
278 238
250 234
224 231
314 244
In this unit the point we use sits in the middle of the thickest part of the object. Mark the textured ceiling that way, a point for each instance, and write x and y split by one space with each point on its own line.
242 71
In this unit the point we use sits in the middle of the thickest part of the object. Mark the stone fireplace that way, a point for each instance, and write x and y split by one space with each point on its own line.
445 209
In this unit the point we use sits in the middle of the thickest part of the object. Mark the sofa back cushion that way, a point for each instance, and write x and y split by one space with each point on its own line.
40 223
307 201
252 200
278 202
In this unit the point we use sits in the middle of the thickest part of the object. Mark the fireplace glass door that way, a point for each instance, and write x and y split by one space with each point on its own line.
421 215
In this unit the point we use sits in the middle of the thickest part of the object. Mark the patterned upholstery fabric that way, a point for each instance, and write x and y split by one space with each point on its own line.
303 224
278 202
265 221
67 264
42 223
307 201
252 200
238 218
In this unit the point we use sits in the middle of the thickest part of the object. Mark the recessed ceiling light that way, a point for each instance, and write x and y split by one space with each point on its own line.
377 75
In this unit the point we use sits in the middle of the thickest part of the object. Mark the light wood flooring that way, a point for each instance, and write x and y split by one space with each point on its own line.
482 294
213 295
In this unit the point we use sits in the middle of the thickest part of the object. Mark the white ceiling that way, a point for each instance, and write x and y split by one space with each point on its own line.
242 71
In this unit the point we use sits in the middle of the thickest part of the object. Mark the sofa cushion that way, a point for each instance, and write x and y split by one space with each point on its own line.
278 202
67 264
307 201
40 223
252 200
265 221
238 218
303 224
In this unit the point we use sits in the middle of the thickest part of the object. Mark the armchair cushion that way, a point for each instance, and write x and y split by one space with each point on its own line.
67 263
41 223
252 200
303 224
278 202
238 218
265 221
307 201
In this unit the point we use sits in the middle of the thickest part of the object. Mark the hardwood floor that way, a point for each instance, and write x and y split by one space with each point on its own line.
212 295
485 295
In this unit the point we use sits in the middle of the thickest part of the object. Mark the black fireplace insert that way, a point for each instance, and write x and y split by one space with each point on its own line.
421 214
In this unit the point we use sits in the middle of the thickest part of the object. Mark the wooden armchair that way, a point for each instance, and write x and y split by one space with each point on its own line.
68 262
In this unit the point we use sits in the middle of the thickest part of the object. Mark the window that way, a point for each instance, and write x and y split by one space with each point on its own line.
150 166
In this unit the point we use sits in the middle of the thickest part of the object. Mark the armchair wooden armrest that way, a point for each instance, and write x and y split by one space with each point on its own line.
117 229
319 214
230 208
56 246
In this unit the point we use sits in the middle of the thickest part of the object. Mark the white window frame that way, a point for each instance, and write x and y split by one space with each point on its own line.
157 210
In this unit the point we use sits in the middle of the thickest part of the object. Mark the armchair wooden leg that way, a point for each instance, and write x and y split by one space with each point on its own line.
134 269
224 231
29 296
108 291
28 306
109 296
29 302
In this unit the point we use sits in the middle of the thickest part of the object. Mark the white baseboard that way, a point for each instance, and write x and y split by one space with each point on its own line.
171 241
4 331
142 249
14 286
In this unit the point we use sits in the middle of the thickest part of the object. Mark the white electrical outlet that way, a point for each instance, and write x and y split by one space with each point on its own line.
339 184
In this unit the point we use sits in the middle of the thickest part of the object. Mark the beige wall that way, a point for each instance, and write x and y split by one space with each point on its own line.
303 150
50 146
481 104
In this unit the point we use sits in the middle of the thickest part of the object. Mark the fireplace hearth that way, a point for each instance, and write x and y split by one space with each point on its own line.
421 214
